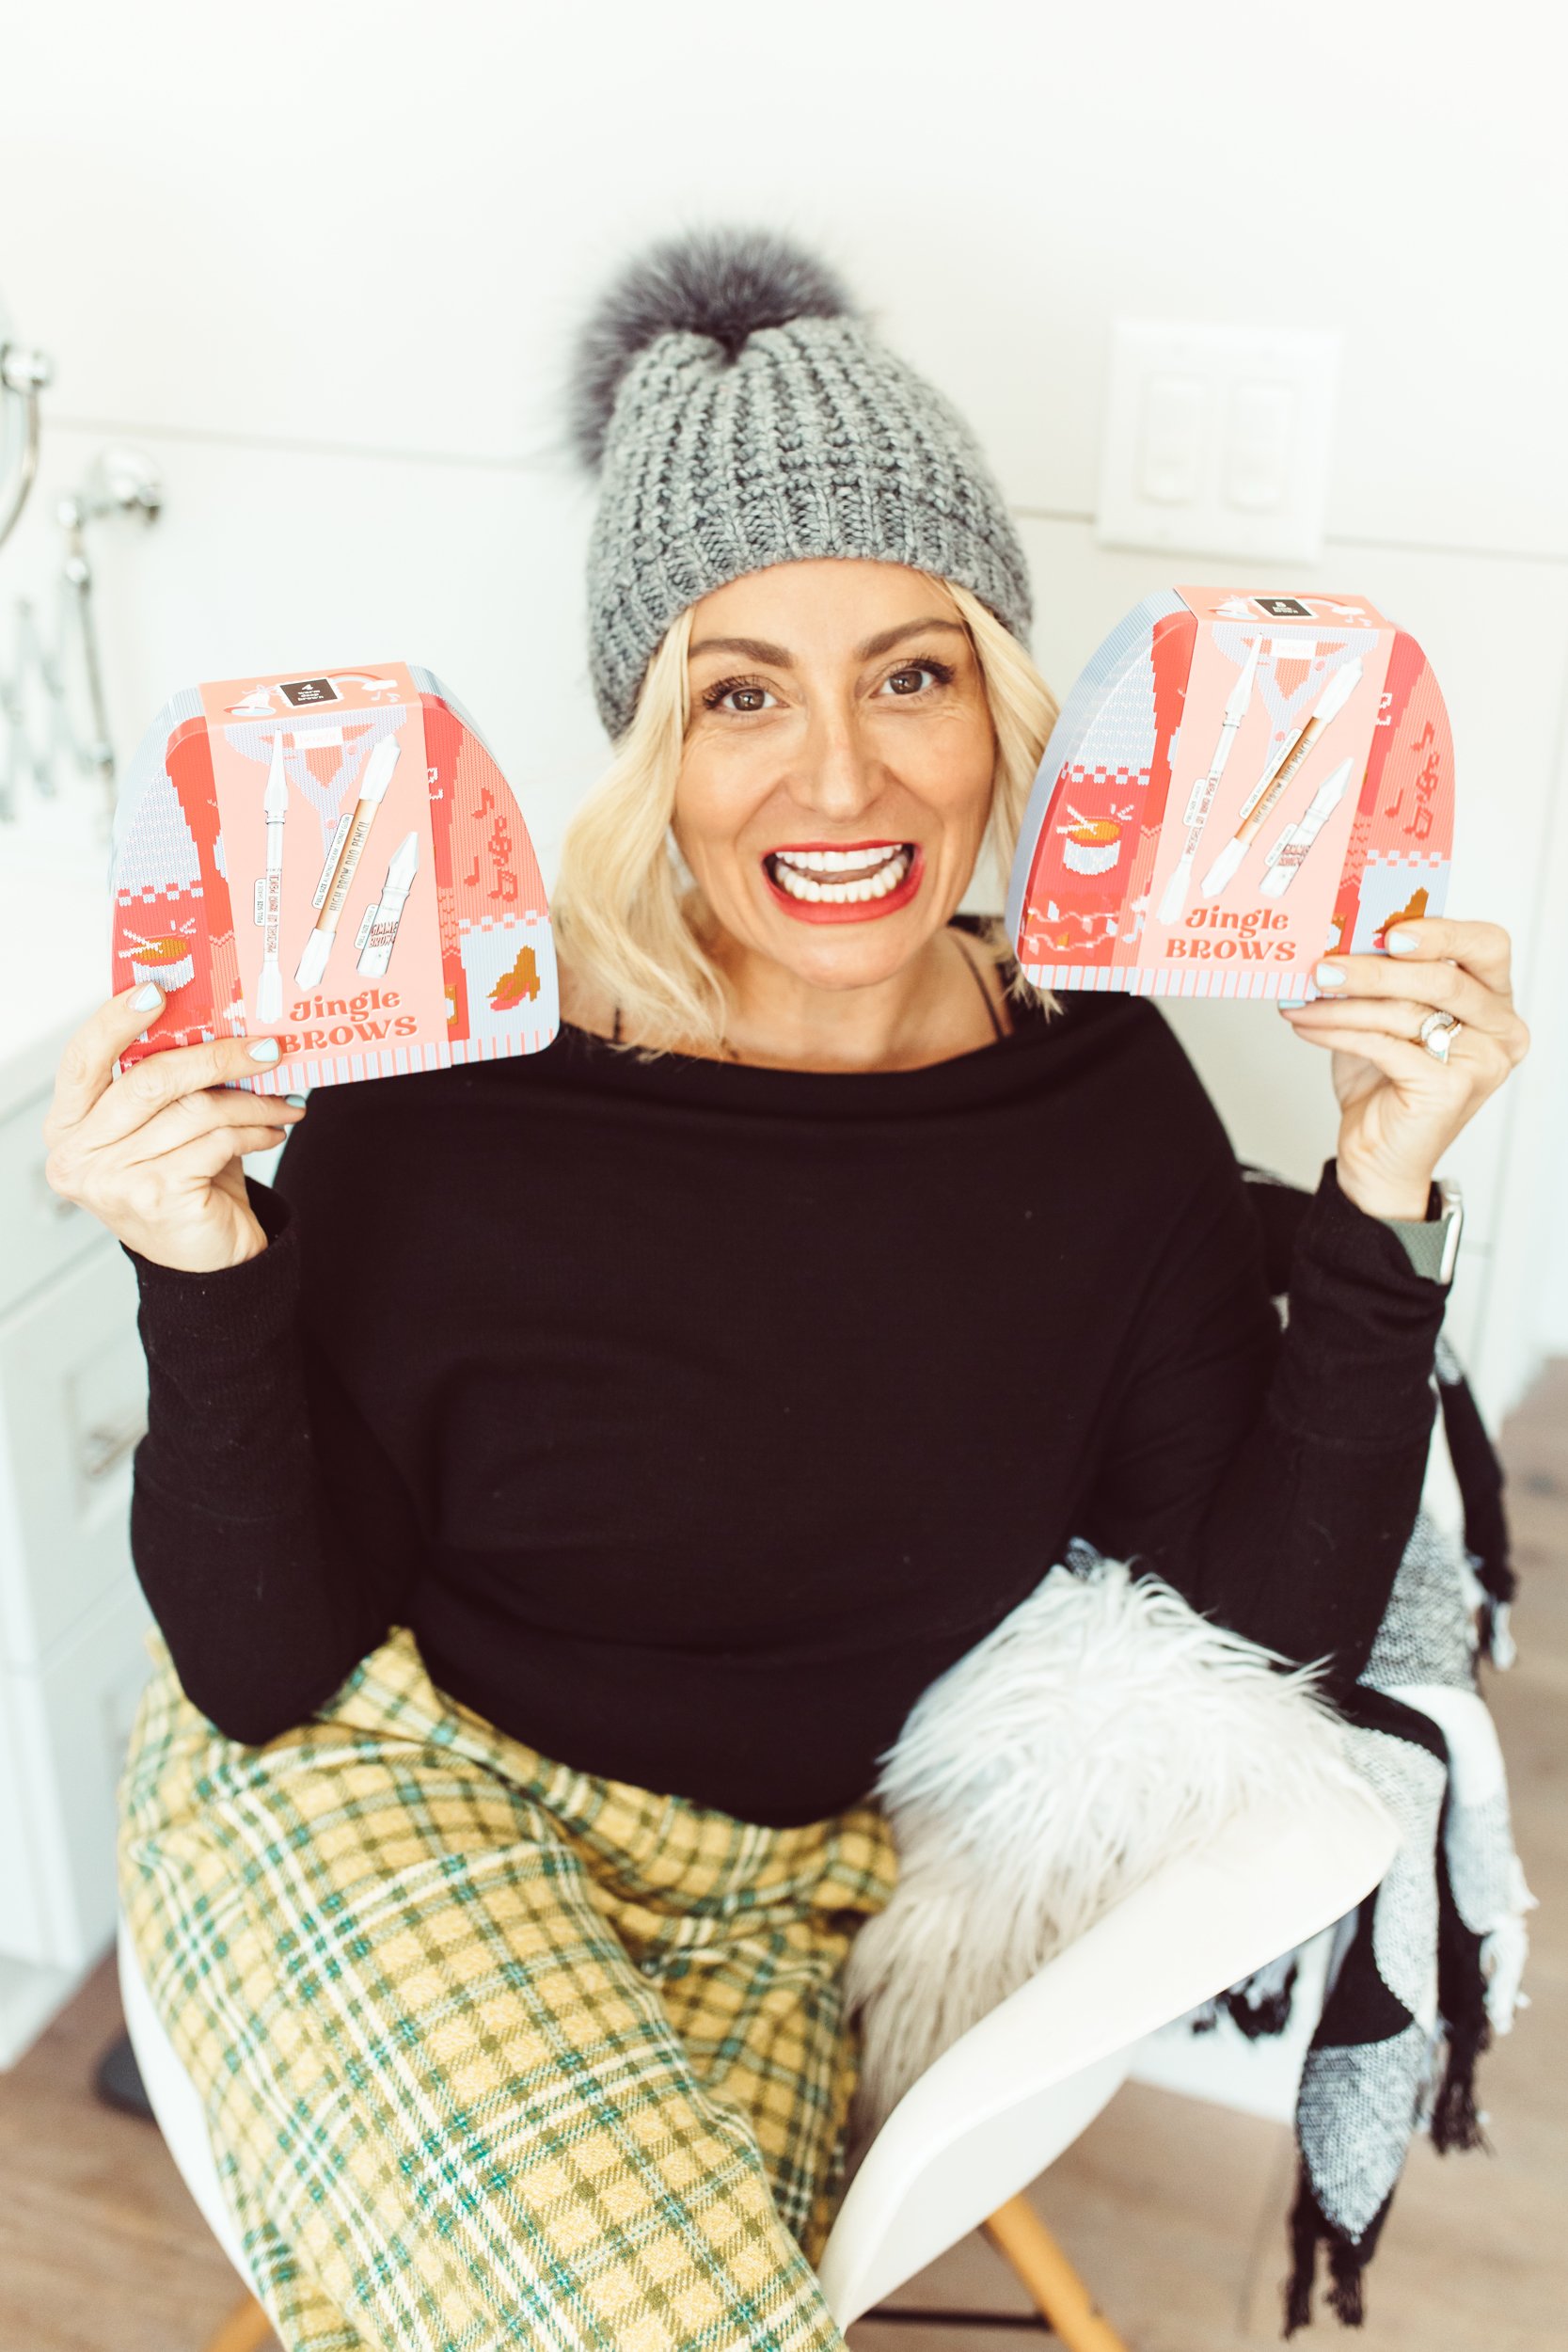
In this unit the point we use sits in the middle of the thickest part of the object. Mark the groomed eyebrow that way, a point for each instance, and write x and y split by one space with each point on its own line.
759 648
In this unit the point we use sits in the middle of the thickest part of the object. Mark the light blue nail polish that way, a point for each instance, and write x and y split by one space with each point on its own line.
148 999
1401 944
297 1100
264 1049
1329 976
1291 1003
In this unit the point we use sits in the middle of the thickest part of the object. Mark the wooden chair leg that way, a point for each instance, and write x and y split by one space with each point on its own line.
245 2329
1024 2243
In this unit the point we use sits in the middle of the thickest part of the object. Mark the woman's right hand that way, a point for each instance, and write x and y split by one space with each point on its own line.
156 1155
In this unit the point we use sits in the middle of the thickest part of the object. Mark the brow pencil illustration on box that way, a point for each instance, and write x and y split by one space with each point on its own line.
1201 798
269 888
1266 792
1287 850
378 928
372 791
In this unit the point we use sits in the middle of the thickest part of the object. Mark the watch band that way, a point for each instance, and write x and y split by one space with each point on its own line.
1432 1244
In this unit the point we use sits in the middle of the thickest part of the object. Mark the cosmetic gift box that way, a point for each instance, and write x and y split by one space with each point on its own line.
1235 784
335 861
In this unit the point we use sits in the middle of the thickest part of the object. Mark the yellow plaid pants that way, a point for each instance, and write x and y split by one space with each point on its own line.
493 2051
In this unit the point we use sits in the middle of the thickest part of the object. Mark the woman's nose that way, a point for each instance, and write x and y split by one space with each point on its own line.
835 774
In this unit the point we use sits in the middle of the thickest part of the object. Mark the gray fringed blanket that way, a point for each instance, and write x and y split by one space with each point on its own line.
1104 1726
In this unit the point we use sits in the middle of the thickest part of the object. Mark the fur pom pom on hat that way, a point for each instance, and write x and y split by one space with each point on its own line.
740 411
726 284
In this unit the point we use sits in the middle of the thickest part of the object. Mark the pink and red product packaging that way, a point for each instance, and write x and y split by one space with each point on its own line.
336 861
1236 784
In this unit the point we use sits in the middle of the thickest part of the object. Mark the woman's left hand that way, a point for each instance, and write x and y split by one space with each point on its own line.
1401 1108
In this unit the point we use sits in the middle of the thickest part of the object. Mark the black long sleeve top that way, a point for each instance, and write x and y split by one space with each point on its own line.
696 1416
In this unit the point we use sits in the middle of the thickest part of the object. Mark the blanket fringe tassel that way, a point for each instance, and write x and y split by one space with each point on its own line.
1454 2121
1347 2263
1257 2009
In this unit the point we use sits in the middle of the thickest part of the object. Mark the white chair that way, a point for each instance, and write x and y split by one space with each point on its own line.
1002 2104
177 2104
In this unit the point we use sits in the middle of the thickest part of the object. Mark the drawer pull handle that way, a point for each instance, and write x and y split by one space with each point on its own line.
104 1448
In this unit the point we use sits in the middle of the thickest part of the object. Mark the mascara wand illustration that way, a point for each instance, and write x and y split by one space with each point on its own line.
372 791
269 889
1201 799
1276 776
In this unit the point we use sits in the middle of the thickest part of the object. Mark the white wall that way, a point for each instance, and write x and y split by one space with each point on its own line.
324 263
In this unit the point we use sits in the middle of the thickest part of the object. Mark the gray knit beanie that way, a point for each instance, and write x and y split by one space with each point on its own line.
740 412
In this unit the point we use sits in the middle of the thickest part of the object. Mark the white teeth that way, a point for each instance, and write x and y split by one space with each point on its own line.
806 885
835 861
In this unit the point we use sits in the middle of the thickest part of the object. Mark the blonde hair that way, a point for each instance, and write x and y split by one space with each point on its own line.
630 926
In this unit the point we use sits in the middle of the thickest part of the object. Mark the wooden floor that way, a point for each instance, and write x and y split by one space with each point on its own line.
1173 2210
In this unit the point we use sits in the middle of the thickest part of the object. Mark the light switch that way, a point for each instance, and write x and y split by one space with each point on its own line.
1217 439
1172 450
1258 455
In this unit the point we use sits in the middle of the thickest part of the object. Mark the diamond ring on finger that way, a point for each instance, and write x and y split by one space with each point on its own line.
1437 1033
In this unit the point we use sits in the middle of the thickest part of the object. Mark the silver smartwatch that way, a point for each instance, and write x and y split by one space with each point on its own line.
1432 1244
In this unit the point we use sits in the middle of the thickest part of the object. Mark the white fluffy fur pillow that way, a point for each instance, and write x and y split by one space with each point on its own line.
1101 1729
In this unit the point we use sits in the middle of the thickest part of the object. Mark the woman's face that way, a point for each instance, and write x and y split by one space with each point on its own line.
837 774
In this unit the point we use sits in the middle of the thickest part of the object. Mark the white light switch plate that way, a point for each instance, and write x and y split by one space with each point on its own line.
1217 439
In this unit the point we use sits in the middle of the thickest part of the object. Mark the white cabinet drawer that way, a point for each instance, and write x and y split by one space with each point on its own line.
66 1726
39 1232
72 1403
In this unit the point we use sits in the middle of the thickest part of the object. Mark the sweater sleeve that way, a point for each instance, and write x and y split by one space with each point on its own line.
271 1536
1274 1475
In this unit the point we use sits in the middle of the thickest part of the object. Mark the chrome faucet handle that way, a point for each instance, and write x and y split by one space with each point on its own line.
23 373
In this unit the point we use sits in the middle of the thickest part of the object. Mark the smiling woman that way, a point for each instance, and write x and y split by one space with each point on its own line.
846 736
853 882
549 1535
881 744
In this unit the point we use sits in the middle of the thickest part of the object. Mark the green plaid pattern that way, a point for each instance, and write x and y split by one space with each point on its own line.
494 2052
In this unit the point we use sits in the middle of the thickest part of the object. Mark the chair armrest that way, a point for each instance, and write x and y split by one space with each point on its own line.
1001 2103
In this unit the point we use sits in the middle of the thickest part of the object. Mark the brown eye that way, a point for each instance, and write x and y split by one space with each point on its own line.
715 697
937 670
